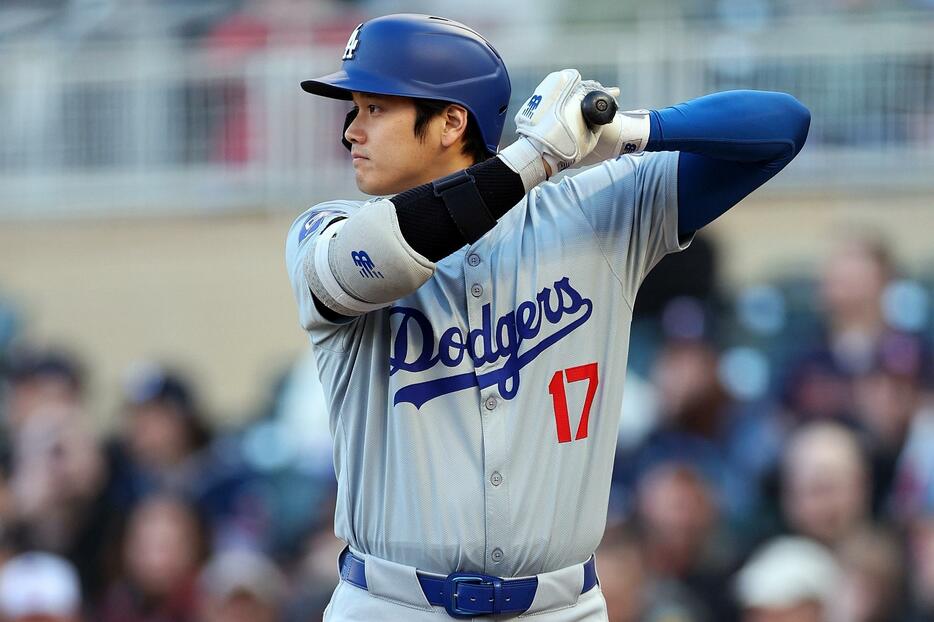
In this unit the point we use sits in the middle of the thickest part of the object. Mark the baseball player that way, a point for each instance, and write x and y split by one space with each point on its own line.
471 323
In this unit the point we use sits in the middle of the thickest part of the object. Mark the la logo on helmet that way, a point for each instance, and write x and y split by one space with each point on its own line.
352 43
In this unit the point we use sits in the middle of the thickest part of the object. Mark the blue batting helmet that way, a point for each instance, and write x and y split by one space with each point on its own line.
424 57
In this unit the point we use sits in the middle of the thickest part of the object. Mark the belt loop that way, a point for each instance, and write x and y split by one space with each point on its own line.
497 596
558 589
340 562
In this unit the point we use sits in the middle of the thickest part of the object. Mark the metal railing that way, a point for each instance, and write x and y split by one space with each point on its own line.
158 125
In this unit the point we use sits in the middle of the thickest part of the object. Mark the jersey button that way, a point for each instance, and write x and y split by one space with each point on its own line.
490 403
477 290
496 478
497 555
473 259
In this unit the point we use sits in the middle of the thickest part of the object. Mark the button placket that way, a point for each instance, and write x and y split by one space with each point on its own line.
492 409
493 415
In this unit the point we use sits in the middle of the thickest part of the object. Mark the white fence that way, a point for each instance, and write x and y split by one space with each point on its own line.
159 126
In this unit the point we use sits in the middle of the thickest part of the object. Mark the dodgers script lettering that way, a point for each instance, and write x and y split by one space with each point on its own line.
487 344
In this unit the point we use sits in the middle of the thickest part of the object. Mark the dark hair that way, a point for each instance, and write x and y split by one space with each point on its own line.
428 109
26 365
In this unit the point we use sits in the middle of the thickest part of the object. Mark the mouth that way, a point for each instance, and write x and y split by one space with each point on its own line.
357 157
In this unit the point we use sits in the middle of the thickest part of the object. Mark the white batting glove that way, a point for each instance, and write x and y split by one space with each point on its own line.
552 121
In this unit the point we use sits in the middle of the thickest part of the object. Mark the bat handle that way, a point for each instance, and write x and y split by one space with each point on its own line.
598 108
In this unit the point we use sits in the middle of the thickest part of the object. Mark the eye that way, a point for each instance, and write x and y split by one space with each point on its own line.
372 108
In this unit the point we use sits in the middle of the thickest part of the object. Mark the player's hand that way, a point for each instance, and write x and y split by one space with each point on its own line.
608 145
627 133
552 120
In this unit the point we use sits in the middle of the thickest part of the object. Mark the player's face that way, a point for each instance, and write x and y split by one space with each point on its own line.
387 156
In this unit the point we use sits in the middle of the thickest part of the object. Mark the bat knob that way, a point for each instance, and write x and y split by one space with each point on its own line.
598 108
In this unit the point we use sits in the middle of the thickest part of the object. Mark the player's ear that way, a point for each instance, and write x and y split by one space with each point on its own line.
455 124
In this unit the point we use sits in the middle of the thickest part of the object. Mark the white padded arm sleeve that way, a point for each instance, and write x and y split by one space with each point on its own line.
363 263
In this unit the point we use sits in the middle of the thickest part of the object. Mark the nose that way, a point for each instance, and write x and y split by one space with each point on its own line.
352 131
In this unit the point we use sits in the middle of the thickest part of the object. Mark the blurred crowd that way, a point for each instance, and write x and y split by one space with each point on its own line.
162 520
786 470
775 462
308 21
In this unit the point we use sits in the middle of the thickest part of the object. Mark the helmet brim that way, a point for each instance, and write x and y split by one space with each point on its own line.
335 85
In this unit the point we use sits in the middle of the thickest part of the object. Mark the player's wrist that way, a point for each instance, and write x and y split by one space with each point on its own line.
627 134
525 159
634 130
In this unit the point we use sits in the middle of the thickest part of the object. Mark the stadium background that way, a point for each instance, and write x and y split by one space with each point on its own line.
152 156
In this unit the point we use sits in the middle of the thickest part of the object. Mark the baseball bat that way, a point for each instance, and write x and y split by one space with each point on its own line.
598 108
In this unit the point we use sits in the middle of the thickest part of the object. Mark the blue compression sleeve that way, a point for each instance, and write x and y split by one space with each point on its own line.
731 143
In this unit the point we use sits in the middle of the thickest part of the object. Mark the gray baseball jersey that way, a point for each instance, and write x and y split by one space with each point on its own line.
475 419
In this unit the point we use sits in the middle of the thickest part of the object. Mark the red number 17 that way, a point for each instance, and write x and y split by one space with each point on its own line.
560 399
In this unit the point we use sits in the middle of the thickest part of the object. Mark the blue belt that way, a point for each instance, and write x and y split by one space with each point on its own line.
468 594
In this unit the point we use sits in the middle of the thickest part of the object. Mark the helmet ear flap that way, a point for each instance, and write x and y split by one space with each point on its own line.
347 121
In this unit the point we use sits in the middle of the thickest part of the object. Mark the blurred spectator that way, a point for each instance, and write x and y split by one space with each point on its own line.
621 568
57 473
692 398
733 445
788 580
160 556
687 562
42 380
851 286
677 514
265 485
316 576
163 431
887 398
851 290
38 587
871 587
921 547
815 388
914 477
825 483
241 586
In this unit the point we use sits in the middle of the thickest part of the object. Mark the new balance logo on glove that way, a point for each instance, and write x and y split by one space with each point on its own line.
532 106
